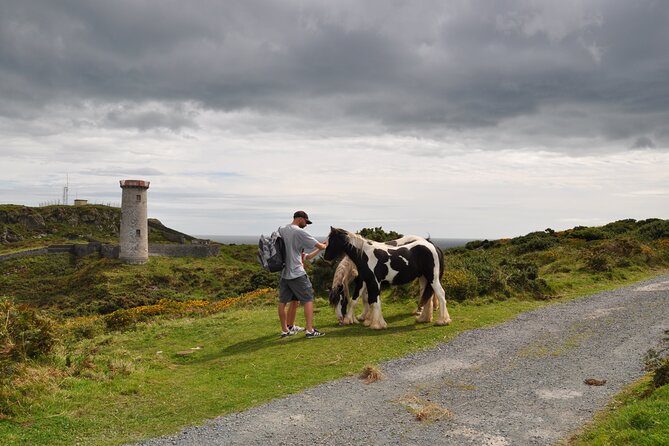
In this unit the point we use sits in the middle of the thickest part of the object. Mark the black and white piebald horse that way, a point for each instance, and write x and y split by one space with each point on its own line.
379 264
346 273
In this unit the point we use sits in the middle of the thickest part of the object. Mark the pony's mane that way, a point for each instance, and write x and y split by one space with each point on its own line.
343 271
356 240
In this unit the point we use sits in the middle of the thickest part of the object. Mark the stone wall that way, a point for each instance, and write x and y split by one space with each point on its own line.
112 251
30 252
184 250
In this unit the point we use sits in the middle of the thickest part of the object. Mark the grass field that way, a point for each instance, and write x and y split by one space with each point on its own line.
112 368
135 384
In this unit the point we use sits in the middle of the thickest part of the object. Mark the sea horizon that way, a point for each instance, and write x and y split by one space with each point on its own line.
441 242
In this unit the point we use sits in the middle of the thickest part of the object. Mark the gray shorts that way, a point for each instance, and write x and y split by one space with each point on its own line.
295 289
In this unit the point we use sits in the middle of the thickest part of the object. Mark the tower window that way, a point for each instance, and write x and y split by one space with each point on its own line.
139 198
138 233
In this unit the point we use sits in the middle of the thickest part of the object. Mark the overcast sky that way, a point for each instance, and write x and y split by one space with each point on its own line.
473 119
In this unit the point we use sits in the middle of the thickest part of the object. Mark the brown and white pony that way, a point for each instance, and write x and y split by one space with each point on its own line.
346 273
379 264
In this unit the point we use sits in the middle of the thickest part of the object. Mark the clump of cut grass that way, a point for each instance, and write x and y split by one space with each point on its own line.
371 374
425 410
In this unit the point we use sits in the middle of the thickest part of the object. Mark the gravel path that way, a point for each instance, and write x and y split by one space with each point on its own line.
520 383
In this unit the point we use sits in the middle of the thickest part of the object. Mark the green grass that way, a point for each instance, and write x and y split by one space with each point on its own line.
123 387
634 418
242 363
93 285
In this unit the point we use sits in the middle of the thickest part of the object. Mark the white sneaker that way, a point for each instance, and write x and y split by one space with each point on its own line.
295 328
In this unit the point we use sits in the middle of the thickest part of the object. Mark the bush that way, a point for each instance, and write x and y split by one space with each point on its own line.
620 226
262 279
321 273
489 276
620 247
86 327
535 241
655 230
597 262
378 234
25 332
661 374
460 284
588 234
524 276
481 244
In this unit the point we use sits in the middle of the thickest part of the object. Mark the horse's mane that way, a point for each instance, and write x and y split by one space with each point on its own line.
345 270
356 240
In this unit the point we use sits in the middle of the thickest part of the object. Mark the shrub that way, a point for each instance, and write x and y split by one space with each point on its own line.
535 241
481 244
620 226
378 234
655 230
460 284
657 362
597 262
263 279
523 276
588 234
25 332
321 273
85 327
489 276
620 247
661 374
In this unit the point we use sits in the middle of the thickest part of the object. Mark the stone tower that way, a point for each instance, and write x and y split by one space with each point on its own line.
134 237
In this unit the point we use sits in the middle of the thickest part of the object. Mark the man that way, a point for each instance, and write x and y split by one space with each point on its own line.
294 285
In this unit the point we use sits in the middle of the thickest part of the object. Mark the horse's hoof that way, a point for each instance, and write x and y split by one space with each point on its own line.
367 323
421 320
443 322
379 326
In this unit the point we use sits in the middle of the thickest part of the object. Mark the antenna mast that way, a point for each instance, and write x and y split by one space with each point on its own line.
66 190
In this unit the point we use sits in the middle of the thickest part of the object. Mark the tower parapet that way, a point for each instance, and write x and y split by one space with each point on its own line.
134 236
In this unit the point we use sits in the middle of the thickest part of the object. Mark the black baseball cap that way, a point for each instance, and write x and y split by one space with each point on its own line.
302 214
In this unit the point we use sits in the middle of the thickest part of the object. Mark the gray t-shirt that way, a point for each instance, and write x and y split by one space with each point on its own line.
296 240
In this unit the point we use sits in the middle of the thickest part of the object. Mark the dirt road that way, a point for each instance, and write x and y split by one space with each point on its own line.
520 383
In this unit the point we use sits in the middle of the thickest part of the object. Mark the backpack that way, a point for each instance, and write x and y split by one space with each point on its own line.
272 252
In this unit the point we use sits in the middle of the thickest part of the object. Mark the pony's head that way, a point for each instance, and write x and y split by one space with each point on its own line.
337 241
338 301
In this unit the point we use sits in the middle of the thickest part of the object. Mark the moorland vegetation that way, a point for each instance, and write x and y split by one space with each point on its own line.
75 330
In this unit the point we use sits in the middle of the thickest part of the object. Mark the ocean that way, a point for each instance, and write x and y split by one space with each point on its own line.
443 243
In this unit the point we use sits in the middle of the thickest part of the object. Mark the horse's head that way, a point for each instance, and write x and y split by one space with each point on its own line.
336 242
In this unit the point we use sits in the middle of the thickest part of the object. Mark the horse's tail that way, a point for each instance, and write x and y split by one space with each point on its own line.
441 262
440 254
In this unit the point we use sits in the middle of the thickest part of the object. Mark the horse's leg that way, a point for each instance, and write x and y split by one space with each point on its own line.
364 316
419 307
444 318
377 322
424 300
375 318
350 313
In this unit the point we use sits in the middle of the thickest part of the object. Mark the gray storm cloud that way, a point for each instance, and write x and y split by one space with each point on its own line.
397 67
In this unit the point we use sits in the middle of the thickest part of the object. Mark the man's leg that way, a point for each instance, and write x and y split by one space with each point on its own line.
282 317
292 312
309 315
285 294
